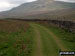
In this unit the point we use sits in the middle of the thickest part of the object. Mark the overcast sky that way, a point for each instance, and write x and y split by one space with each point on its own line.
8 4
69 1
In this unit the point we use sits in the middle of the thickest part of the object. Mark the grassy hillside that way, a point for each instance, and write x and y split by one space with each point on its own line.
61 14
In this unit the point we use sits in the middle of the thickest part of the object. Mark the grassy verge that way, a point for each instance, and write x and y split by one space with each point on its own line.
67 38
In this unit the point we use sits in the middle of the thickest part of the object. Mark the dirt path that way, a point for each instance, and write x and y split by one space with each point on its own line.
38 42
57 40
46 42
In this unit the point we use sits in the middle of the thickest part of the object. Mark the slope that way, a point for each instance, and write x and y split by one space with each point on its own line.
37 7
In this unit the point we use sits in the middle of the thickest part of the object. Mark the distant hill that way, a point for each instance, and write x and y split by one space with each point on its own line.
41 9
62 14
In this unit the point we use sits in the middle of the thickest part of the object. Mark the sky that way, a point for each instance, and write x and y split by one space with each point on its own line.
69 1
9 4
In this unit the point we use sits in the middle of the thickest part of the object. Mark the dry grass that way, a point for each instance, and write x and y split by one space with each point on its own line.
12 26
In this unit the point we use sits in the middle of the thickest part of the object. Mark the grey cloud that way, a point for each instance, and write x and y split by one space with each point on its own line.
12 3
70 1
16 1
19 1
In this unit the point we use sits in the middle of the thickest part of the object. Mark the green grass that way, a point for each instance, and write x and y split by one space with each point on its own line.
22 42
50 48
16 43
67 38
